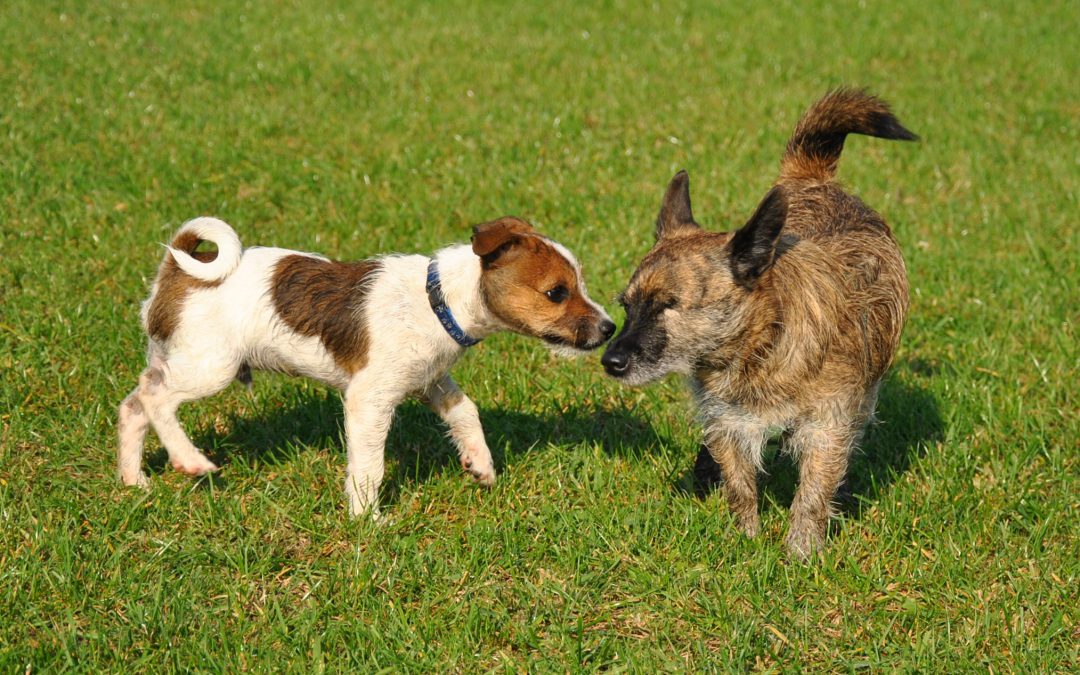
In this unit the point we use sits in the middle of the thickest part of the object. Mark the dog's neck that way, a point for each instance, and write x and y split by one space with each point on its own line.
459 272
778 348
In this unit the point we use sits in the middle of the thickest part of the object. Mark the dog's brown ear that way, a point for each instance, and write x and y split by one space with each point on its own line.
754 245
675 212
492 239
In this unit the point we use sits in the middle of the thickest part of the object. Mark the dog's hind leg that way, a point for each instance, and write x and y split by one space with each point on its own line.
461 415
131 427
161 398
823 453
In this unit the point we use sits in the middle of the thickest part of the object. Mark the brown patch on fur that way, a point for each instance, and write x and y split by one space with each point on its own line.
488 238
790 321
173 285
134 405
151 380
325 299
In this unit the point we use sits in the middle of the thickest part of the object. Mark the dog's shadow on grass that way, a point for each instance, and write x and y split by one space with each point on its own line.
418 440
418 448
907 422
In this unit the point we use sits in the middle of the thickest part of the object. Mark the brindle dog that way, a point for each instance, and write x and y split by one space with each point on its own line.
788 323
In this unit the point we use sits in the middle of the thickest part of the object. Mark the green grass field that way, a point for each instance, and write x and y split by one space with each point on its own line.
354 131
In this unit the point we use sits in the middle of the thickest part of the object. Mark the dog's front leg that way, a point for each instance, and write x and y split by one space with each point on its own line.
738 465
369 410
461 415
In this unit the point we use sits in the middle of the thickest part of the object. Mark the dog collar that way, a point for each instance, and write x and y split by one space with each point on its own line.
442 310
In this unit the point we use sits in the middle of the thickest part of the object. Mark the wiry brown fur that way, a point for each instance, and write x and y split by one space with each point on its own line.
173 286
814 148
788 323
324 298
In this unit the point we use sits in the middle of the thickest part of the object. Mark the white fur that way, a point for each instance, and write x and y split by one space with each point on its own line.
222 327
565 252
748 430
229 250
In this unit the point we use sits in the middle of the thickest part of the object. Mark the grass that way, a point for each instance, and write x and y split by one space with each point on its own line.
357 130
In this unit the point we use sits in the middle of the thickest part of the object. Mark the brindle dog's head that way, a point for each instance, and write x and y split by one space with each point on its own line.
688 303
534 286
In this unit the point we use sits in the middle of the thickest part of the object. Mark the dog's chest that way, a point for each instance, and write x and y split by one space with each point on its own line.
716 411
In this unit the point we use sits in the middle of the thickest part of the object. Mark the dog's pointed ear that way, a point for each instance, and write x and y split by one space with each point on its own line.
754 246
675 212
493 239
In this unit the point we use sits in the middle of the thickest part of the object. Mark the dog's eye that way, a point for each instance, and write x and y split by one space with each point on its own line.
557 294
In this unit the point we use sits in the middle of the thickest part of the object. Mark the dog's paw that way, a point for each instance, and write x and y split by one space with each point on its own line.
381 518
139 480
802 545
363 503
197 465
750 526
484 473
485 478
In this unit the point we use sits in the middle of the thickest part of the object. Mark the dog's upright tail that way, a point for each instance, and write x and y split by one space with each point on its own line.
814 148
205 266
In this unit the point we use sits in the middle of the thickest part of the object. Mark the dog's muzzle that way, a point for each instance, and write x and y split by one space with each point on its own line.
589 336
607 329
616 360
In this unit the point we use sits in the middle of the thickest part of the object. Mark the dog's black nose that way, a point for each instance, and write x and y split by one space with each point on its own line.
607 328
615 362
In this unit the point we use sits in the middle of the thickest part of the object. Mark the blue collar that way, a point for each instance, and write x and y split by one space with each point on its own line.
442 310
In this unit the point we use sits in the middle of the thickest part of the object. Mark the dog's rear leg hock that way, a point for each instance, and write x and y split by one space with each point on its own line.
132 424
161 405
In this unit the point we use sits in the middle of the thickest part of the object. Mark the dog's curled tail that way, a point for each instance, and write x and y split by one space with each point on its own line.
814 148
201 265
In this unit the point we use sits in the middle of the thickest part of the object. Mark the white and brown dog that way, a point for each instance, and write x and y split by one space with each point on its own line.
379 330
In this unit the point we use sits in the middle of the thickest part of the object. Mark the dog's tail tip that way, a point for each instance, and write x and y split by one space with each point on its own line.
214 230
815 146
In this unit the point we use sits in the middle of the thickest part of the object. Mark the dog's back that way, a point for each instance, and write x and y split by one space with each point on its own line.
839 232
